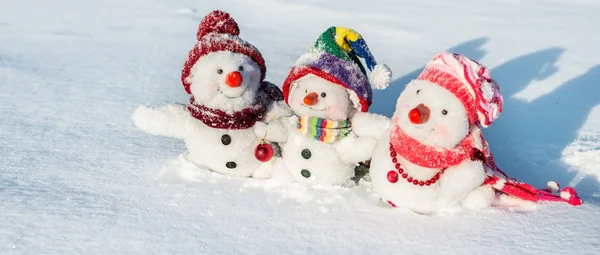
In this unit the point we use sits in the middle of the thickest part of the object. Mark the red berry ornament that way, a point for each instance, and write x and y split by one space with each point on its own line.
263 152
392 176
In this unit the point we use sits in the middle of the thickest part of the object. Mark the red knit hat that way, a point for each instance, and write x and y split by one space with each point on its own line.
470 82
219 32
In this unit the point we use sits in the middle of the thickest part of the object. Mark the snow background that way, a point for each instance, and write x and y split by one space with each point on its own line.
77 177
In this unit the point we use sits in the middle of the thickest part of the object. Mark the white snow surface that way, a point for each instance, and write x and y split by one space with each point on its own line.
76 176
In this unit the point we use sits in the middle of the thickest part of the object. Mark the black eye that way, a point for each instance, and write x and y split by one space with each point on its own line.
241 68
418 90
444 112
323 94
220 71
306 91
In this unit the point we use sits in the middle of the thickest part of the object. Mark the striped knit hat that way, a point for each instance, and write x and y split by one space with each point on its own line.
470 82
335 58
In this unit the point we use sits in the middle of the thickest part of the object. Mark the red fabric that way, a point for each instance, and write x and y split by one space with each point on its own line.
299 72
433 157
219 32
216 118
482 76
217 22
393 175
527 192
467 79
455 86
391 203
519 190
498 180
429 156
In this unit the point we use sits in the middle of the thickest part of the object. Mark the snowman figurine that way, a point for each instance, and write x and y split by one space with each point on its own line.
324 89
433 156
225 76
429 157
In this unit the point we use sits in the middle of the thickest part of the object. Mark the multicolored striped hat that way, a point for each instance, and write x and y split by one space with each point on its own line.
335 57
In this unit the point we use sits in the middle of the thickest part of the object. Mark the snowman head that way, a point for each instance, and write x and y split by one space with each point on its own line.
332 68
431 114
452 94
313 96
326 86
222 71
225 80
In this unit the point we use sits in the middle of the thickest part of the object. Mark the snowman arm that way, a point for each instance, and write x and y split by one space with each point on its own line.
171 120
278 109
353 149
369 124
458 181
275 131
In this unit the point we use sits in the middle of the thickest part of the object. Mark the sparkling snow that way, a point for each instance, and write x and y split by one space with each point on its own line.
76 176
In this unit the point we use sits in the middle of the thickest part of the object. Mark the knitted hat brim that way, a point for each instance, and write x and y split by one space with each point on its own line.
300 71
220 42
454 86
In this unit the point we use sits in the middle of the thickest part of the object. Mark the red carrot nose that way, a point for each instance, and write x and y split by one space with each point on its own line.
419 114
311 99
234 79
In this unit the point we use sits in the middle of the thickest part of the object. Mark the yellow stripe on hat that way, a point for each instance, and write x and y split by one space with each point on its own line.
343 35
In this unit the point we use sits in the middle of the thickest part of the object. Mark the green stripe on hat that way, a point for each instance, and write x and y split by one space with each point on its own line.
326 43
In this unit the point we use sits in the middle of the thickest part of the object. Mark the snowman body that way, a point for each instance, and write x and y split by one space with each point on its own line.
315 162
451 189
226 151
432 116
319 161
225 82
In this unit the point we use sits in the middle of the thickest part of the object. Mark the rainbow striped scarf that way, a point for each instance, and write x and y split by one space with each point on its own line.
323 130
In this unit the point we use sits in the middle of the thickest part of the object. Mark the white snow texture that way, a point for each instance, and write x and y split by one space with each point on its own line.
78 177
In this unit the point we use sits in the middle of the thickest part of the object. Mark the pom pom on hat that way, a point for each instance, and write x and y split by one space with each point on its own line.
381 76
552 186
217 22
352 42
570 195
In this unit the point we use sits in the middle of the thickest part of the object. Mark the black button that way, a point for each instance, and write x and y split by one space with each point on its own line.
231 164
226 139
306 153
305 173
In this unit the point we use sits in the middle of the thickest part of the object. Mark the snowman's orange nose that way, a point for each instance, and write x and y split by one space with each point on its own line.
419 114
311 98
234 79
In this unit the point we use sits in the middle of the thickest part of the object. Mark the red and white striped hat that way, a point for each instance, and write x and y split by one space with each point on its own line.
470 82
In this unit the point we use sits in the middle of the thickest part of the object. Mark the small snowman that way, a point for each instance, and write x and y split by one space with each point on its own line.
225 76
324 89
432 156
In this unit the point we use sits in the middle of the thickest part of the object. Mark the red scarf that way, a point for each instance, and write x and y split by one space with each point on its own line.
433 157
215 118
426 155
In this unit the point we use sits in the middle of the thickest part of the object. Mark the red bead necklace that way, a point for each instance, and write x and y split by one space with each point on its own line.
394 175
